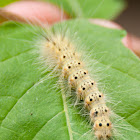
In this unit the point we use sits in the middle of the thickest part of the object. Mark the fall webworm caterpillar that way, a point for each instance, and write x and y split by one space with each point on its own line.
69 74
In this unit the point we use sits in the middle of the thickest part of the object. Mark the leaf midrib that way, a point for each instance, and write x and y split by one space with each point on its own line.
66 111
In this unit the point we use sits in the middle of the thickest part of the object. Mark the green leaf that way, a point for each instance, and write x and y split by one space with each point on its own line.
6 2
32 108
107 9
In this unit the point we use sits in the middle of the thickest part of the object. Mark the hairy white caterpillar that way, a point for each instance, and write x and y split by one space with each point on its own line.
63 56
57 48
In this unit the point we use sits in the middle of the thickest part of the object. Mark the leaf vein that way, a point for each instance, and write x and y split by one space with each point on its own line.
120 71
14 56
132 113
48 122
25 92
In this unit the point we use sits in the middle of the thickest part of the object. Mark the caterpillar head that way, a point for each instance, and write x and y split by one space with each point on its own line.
103 128
92 98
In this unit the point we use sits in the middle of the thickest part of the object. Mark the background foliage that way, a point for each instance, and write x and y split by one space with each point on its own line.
107 9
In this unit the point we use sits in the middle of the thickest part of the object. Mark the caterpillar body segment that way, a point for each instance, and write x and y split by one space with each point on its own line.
69 61
84 87
70 67
77 76
93 98
98 111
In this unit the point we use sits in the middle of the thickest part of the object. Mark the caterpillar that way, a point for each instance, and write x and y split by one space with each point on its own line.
59 49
